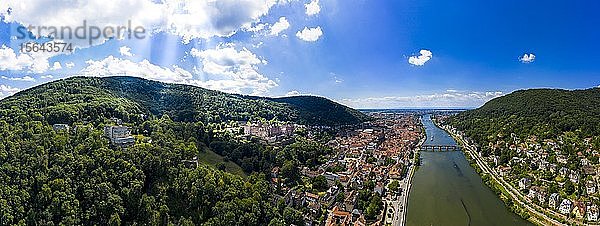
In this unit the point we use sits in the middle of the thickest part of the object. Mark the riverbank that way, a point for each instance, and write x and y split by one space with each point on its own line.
500 186
408 185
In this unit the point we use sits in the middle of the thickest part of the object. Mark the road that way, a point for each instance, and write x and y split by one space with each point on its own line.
399 205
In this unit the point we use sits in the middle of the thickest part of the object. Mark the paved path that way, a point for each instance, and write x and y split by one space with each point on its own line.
406 185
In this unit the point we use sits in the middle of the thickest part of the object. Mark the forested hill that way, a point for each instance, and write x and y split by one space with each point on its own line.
319 109
545 113
128 98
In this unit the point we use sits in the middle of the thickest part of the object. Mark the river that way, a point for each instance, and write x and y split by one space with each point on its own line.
446 190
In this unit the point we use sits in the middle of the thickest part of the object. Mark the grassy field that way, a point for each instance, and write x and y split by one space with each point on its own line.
212 159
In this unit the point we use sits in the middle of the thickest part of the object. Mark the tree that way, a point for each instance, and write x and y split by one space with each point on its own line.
221 166
290 172
293 216
569 188
320 183
340 197
374 207
114 220
394 186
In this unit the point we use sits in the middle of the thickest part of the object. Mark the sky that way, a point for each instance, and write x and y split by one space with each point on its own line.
361 53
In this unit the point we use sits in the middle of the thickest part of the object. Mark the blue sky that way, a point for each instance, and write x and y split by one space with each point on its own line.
366 54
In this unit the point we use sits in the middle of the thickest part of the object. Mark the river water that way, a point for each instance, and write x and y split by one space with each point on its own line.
446 190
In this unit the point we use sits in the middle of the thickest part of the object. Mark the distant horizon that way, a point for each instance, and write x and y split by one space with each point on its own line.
338 101
419 108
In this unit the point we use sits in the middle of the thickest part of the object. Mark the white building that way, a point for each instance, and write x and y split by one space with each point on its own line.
592 213
565 207
119 135
524 183
590 187
60 127
554 200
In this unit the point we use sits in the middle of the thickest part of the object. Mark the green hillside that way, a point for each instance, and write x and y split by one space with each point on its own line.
545 113
76 177
322 110
90 98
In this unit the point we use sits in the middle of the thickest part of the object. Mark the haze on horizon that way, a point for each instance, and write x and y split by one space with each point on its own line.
365 54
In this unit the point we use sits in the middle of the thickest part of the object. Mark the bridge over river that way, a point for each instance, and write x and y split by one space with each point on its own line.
439 148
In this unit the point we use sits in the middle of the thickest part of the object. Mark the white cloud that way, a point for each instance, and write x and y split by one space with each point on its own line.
420 60
527 58
204 19
9 60
292 93
187 18
258 45
21 79
35 62
336 80
6 90
56 66
312 8
310 34
98 13
47 77
111 66
231 70
280 26
125 51
70 64
447 99
257 28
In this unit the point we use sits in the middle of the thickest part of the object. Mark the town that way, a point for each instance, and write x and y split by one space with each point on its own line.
364 180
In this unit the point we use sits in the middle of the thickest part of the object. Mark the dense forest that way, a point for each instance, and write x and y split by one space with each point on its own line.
129 98
76 177
544 113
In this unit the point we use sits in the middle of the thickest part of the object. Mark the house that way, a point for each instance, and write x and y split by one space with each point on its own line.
524 183
561 159
590 187
574 177
537 193
554 200
119 135
378 188
294 198
275 172
592 213
193 163
505 171
331 177
584 162
338 217
563 171
579 209
60 127
589 170
310 197
565 207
